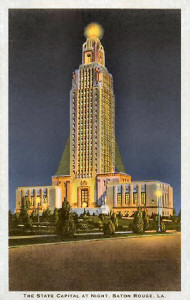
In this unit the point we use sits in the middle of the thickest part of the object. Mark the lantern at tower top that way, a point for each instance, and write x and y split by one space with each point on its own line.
92 50
93 30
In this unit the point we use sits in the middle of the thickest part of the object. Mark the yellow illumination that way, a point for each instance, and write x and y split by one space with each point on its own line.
94 30
158 193
84 204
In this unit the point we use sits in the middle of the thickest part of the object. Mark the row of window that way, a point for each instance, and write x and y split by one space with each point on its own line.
80 175
85 83
38 192
127 198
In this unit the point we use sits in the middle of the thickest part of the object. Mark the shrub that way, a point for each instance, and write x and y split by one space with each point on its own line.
91 226
16 219
138 223
84 226
69 228
178 227
28 223
100 225
65 225
55 216
102 217
163 227
125 227
119 215
46 215
75 217
155 222
114 219
109 228
179 217
11 219
24 217
34 216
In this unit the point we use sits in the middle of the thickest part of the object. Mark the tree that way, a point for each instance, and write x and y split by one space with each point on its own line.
174 212
65 225
16 218
179 217
178 225
28 223
55 216
34 215
138 223
24 217
46 215
114 219
75 217
88 213
109 228
146 220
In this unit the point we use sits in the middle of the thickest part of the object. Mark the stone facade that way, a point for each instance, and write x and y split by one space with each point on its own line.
149 195
39 198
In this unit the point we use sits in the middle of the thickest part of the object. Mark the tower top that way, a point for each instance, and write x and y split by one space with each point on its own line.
92 49
93 30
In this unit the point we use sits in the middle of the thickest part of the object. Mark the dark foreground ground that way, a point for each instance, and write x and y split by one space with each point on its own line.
131 264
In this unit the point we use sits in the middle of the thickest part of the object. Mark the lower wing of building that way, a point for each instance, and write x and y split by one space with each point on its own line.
101 194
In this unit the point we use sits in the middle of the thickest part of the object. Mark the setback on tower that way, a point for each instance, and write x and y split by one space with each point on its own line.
119 166
64 164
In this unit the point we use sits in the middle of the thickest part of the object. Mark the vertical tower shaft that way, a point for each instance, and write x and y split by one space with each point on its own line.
92 115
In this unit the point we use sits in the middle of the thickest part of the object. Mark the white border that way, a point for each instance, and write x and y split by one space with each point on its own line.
184 5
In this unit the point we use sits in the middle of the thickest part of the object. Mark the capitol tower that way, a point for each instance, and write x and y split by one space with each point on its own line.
92 111
86 175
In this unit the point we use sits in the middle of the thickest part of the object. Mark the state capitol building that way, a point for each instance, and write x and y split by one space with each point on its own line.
86 175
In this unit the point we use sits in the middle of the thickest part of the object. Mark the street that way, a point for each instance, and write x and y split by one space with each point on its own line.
131 264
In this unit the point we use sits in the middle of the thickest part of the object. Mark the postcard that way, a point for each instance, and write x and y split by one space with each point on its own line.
95 149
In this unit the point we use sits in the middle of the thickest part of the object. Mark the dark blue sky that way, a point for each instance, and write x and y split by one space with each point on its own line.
142 49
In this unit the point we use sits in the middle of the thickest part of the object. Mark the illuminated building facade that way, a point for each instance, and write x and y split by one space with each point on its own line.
93 183
92 105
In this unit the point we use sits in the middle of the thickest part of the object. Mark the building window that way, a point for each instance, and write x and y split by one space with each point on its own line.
135 198
143 198
119 198
127 201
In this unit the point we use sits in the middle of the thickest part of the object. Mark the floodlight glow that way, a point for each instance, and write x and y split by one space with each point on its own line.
94 30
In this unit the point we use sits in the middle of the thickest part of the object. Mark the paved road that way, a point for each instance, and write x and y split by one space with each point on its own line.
140 264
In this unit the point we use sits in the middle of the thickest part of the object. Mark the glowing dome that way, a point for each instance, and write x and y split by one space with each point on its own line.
94 30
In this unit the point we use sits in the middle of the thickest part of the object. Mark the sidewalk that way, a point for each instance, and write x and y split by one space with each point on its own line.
54 235
18 237
79 234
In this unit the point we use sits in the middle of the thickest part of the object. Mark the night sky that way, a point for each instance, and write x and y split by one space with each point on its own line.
142 50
